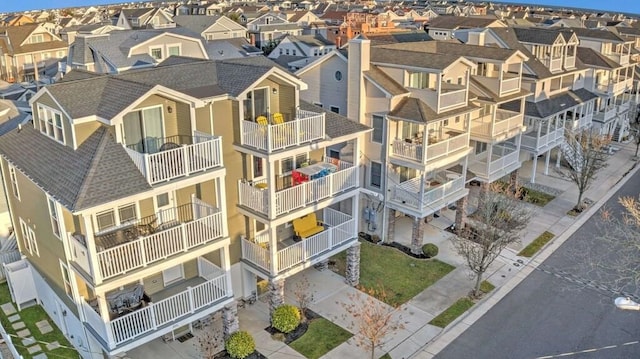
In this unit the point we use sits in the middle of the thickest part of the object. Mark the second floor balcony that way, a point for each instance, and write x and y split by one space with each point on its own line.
272 133
164 159
149 241
496 163
542 138
339 231
450 145
311 184
423 197
500 124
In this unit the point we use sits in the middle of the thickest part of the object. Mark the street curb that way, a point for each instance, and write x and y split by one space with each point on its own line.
447 335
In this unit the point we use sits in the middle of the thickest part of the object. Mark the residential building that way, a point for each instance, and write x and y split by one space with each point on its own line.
267 30
149 200
117 51
212 27
17 20
144 18
26 50
443 27
295 51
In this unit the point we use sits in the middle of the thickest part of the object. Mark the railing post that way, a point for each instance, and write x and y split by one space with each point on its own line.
152 316
192 305
296 130
183 233
185 160
143 253
147 167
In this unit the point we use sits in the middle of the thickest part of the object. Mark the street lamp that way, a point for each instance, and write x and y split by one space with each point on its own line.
626 303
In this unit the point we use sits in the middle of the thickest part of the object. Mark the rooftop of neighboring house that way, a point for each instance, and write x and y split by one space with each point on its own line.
461 22
413 55
553 104
116 45
12 113
396 37
454 49
600 34
198 23
18 44
310 40
593 58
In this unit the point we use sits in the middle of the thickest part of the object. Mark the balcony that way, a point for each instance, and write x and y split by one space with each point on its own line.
437 147
446 187
607 114
255 195
150 240
451 96
179 304
505 122
546 140
553 63
579 123
340 229
176 157
510 83
503 161
305 128
622 59
569 62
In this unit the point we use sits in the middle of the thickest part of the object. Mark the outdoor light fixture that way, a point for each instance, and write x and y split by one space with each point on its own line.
274 91
169 109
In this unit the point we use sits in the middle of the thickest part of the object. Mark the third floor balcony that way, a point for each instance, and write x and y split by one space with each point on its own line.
274 132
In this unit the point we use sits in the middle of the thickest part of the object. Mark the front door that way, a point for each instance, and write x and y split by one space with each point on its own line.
173 274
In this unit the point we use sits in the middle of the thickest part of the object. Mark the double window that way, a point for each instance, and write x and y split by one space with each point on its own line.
29 239
51 123
114 218
55 221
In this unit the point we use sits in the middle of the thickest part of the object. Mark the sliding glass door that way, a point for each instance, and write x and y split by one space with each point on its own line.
143 130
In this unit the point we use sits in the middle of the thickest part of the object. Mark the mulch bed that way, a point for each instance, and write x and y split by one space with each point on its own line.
299 331
223 355
401 247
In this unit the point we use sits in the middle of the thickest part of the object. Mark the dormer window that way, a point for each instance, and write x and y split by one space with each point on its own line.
422 80
156 53
50 123
35 39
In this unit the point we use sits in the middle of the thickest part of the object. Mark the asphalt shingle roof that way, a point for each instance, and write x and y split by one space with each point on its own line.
413 109
335 125
390 85
97 172
411 55
554 104
591 57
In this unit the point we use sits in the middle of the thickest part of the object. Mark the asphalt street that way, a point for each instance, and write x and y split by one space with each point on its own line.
549 315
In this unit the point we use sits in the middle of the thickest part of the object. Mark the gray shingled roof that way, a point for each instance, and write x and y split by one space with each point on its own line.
390 85
335 125
554 104
196 23
395 37
598 34
311 40
511 40
411 56
591 57
536 35
414 110
454 48
457 22
97 172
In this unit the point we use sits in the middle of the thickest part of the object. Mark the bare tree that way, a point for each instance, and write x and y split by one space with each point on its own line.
303 292
585 156
496 223
373 319
209 342
635 130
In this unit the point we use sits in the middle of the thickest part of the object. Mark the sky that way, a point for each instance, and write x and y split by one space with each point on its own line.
628 6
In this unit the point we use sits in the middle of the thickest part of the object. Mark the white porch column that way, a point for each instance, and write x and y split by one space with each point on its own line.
273 249
534 168
221 196
271 180
91 248
547 157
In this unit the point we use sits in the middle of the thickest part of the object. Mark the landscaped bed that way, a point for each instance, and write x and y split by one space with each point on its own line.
399 276
30 316
537 244
459 307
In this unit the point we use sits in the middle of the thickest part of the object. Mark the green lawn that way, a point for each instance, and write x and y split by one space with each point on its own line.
486 287
537 243
401 276
536 197
30 316
320 338
454 311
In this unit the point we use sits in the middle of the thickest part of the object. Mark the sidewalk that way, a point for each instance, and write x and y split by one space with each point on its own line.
552 218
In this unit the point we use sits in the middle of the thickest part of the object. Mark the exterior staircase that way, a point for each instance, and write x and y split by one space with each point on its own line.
572 152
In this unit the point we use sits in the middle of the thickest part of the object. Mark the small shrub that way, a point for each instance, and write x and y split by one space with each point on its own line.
375 238
430 250
240 345
286 318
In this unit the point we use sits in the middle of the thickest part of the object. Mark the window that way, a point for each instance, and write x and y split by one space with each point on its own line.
55 222
36 38
287 52
318 104
335 109
66 279
14 181
113 218
376 175
51 123
419 80
281 51
481 147
294 52
162 200
289 164
156 53
29 238
174 50
376 122
338 76
258 167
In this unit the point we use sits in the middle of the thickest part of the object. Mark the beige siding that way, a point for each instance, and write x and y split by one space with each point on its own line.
183 122
84 130
146 207
170 119
203 122
283 101
189 48
154 283
33 209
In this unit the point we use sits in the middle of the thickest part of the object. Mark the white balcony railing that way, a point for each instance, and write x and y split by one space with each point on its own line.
147 250
505 121
204 154
413 151
157 314
503 162
433 198
555 64
510 85
451 99
570 62
531 141
307 127
340 228
298 196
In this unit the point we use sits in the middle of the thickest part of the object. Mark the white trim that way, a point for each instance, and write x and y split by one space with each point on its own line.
13 179
54 214
33 100
45 131
161 48
29 236
64 268
285 76
169 34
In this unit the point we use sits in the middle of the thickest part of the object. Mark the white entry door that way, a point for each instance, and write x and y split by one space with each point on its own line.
172 274
166 209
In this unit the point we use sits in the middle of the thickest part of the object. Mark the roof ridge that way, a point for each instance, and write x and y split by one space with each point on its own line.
97 154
